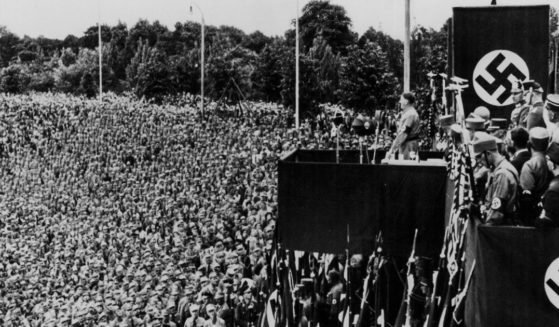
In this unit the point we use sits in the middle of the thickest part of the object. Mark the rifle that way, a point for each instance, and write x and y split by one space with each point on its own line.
435 300
405 308
459 304
373 266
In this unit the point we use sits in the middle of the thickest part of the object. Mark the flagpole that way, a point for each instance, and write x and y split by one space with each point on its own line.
202 51
407 47
297 67
100 52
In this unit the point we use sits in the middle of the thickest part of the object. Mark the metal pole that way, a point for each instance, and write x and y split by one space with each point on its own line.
407 48
297 67
202 66
100 54
202 50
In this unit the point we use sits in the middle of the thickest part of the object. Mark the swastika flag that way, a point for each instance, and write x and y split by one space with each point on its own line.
496 46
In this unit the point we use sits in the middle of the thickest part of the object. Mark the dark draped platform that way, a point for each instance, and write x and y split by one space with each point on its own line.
509 281
319 200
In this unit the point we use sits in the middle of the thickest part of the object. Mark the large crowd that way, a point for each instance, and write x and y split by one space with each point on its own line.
125 213
129 213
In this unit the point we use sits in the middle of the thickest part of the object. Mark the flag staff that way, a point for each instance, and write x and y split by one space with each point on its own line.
202 50
407 47
100 52
297 67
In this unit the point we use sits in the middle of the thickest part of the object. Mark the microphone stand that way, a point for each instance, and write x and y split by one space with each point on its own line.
361 150
377 132
338 144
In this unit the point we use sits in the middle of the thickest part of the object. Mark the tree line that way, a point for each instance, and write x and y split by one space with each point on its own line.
337 65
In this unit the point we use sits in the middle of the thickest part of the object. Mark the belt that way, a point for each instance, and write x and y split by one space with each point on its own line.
415 138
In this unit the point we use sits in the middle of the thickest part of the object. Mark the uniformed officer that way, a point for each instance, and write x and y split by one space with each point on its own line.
519 138
334 297
521 109
551 116
549 216
498 129
483 113
407 139
444 139
500 201
534 177
535 101
475 125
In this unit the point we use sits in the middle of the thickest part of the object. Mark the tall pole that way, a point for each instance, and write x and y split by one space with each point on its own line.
202 51
202 67
297 67
100 54
407 48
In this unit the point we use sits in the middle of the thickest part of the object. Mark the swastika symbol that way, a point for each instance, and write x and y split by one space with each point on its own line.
501 78
550 283
494 74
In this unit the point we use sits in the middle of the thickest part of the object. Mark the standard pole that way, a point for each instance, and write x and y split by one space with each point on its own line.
202 66
100 56
407 48
297 67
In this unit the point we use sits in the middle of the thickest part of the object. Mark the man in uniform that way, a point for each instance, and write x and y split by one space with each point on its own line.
334 297
551 116
475 125
498 129
550 214
521 109
483 113
194 320
534 176
408 129
535 116
519 138
501 196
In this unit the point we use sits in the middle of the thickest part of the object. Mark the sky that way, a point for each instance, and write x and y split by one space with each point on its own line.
58 18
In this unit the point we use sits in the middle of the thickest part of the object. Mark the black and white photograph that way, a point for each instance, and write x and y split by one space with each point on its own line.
279 163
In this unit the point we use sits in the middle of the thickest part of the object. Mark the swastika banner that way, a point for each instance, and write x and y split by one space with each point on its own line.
516 277
495 46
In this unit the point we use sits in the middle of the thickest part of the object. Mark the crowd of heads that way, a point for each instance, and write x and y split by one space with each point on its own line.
124 213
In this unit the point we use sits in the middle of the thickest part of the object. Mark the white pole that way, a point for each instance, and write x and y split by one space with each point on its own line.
202 50
202 66
297 68
100 54
407 48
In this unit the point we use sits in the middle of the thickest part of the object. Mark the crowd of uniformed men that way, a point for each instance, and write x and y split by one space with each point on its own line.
516 162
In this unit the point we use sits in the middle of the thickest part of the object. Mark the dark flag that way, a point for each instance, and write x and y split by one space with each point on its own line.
506 45
516 277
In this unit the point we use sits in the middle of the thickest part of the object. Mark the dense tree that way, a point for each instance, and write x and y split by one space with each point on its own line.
116 53
71 78
13 79
90 38
393 48
329 21
256 41
8 46
72 42
148 72
367 81
229 66
268 73
429 54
